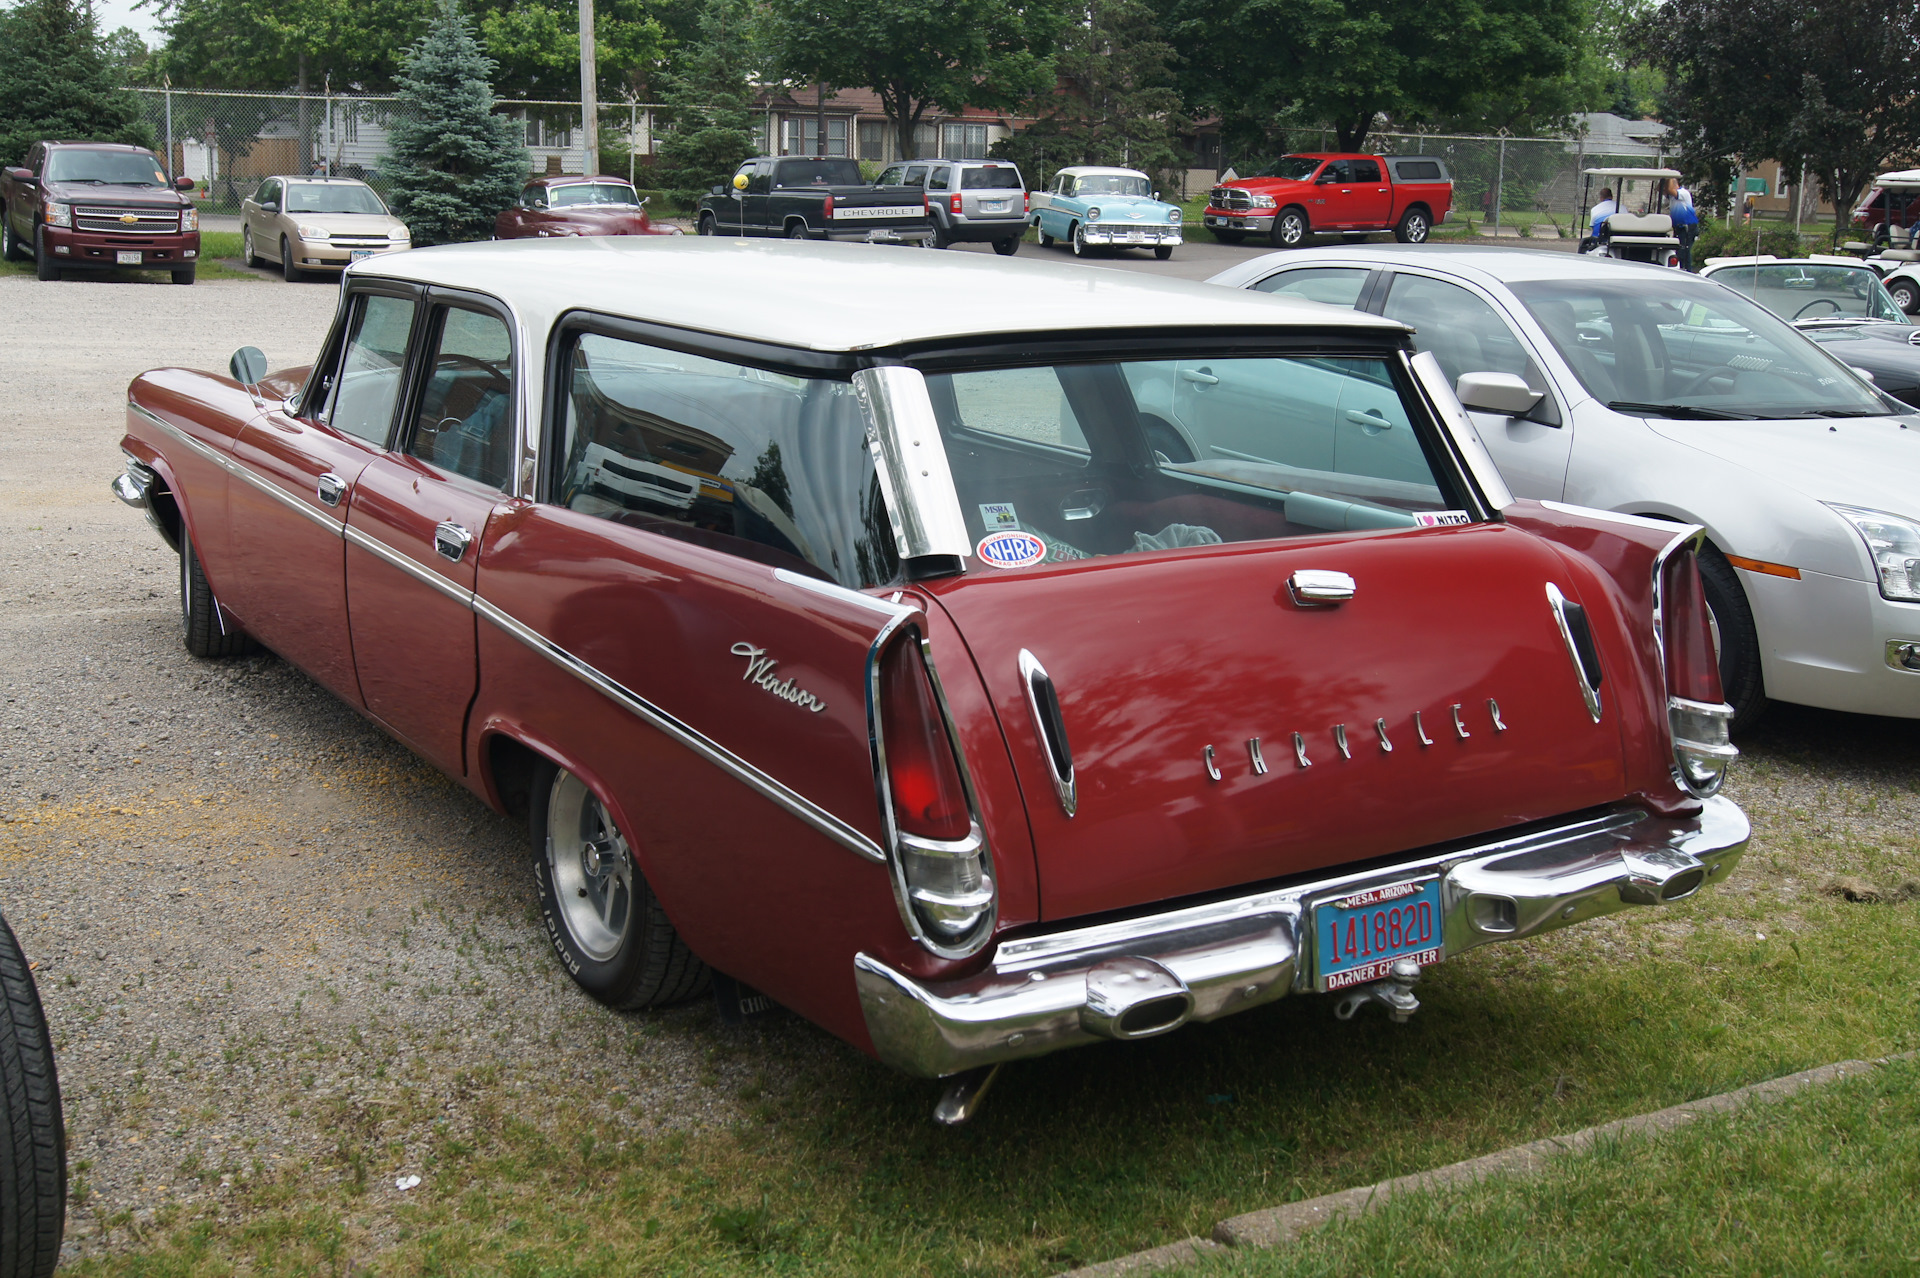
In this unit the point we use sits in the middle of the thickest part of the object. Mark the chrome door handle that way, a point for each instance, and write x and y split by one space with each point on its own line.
332 489
1199 375
451 540
1319 588
1372 420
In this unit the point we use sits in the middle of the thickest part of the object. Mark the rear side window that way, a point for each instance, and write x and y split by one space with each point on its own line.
1333 285
1366 171
937 179
991 177
766 466
1416 171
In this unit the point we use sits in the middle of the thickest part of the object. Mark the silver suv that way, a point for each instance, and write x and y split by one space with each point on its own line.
971 201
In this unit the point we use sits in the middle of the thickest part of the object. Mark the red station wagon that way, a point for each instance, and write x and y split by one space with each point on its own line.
887 662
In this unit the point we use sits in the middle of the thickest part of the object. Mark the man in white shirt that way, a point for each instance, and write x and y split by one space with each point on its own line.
1605 209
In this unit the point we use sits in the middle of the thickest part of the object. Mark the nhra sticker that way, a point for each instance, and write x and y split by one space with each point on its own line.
1011 549
1440 518
998 516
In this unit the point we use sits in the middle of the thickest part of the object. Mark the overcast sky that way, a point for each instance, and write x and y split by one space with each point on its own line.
114 14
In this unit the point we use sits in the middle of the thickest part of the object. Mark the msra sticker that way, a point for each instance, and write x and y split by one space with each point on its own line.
998 516
1440 518
1011 549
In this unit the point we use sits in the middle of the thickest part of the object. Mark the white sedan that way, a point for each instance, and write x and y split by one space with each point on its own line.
1653 392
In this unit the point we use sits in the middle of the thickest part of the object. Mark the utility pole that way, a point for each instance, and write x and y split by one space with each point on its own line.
820 117
589 99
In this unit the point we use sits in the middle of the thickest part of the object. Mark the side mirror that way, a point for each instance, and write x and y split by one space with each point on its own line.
248 366
1865 374
20 174
718 189
1156 195
739 181
1501 393
183 183
270 207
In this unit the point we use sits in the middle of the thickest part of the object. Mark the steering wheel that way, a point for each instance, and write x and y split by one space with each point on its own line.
1701 382
473 362
1818 301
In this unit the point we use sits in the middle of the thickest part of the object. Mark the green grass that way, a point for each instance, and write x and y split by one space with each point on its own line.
213 246
1823 1183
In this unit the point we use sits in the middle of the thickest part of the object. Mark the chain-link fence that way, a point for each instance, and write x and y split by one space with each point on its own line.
227 142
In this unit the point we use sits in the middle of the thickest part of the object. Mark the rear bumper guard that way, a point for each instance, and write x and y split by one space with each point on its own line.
135 487
1140 977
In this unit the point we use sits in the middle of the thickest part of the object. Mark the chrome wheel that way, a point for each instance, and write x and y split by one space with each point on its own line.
1291 230
591 868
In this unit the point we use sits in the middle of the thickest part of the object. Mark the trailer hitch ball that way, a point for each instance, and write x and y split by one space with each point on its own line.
1395 993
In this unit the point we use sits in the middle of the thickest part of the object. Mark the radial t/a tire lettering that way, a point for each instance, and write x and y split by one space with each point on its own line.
207 632
1734 637
603 920
33 1143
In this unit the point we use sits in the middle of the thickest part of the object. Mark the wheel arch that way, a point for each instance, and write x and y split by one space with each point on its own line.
509 755
793 220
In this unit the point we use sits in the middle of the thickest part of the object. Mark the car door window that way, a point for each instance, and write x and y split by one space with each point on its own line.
1462 331
762 180
917 175
893 176
361 400
1334 285
1335 172
763 465
465 420
937 180
1365 170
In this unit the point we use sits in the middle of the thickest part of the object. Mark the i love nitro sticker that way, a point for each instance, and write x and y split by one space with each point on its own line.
1011 549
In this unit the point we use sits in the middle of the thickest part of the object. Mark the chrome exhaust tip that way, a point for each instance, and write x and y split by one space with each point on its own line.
1130 998
1660 876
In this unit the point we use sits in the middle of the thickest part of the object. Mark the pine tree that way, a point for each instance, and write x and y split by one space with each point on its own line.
57 81
710 122
455 164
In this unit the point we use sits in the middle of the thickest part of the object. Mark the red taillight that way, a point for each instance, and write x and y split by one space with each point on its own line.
924 206
928 800
827 210
1026 201
956 203
1693 671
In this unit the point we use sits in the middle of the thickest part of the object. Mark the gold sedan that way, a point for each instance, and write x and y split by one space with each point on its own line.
317 224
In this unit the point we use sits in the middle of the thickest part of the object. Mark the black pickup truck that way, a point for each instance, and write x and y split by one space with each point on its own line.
798 198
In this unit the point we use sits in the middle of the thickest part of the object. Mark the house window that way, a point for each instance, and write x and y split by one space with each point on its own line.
546 133
803 136
926 142
964 141
876 137
1782 184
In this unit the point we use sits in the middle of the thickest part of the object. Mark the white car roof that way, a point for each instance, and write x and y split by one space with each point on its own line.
1903 178
1101 170
835 297
1496 265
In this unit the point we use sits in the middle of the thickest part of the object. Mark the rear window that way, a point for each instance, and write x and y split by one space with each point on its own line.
1416 170
1085 460
795 173
990 177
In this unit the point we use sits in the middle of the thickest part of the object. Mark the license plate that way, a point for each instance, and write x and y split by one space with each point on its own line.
1136 236
993 206
357 254
127 257
1357 937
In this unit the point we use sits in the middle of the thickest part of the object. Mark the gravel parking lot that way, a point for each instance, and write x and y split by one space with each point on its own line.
267 936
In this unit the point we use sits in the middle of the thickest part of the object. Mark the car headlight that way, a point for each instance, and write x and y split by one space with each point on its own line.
1093 214
1173 215
399 233
59 214
1263 201
314 233
190 218
1894 543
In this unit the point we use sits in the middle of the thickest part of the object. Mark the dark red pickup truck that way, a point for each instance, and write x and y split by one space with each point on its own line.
1302 195
98 206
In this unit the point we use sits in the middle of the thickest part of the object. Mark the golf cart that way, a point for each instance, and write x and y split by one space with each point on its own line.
1891 215
1646 236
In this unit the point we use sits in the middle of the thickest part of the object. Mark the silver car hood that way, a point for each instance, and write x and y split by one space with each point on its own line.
1858 461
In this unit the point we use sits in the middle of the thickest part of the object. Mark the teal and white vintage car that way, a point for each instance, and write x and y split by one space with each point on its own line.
1094 208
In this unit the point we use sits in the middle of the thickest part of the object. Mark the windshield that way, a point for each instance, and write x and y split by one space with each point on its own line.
594 193
1294 168
793 173
1813 291
1112 184
1075 461
1665 344
120 168
990 177
332 197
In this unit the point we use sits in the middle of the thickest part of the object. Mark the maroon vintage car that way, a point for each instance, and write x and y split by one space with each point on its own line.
564 206
909 666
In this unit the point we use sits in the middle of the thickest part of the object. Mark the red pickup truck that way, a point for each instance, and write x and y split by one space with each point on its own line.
98 206
1302 195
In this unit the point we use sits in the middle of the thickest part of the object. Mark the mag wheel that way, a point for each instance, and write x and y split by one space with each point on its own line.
604 921
1414 227
1905 295
33 1145
1290 229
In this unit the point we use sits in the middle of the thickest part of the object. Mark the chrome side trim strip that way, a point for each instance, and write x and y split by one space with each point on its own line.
707 748
833 590
237 471
412 567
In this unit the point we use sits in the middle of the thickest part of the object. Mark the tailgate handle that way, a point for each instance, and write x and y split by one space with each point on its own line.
1045 704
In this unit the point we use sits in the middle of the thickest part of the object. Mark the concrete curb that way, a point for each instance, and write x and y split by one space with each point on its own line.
1277 1225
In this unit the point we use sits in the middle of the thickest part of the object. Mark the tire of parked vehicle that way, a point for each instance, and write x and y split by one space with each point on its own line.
1734 636
706 224
796 230
941 239
1415 225
1290 229
1165 440
1007 247
10 249
184 276
603 920
1080 246
289 271
246 248
1046 241
1905 295
1229 237
33 1142
1162 252
207 634
45 266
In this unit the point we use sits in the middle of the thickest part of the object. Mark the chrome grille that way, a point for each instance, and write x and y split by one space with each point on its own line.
1230 197
88 217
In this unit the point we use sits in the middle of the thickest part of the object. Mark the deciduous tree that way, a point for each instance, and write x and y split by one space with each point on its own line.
455 164
917 54
57 80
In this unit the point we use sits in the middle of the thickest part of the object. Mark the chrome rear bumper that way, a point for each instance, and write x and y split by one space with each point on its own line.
1138 977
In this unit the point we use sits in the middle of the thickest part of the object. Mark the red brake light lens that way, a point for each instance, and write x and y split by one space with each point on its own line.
956 203
1693 670
928 800
827 210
